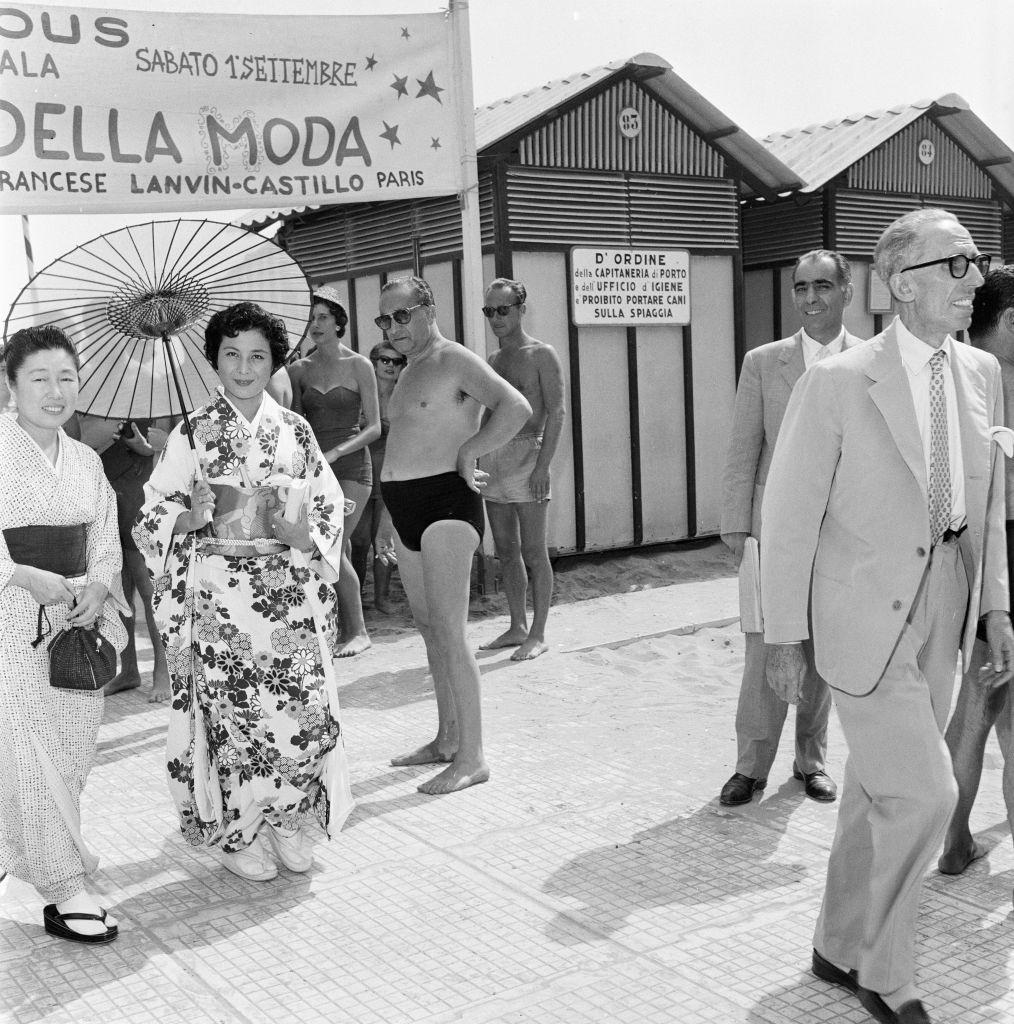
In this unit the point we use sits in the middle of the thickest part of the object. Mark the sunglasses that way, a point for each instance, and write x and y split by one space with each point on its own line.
488 311
389 361
957 264
399 316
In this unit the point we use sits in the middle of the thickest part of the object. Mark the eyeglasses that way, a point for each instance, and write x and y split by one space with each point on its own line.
957 264
389 361
399 316
488 311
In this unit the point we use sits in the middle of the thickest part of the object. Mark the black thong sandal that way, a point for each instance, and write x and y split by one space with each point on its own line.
53 921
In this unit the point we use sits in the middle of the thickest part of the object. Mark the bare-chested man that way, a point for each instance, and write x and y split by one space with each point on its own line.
430 485
517 492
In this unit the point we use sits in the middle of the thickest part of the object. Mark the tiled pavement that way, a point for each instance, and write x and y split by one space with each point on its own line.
593 879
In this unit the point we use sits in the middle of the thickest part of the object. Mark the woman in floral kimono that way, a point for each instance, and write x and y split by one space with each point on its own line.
246 609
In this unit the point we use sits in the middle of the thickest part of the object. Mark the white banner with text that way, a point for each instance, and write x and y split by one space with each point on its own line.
127 111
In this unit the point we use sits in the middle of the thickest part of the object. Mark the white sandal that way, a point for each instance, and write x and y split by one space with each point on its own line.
252 863
295 851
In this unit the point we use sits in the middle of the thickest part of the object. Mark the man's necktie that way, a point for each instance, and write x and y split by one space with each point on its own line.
940 462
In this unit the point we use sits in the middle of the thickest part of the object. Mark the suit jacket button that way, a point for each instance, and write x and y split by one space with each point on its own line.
921 552
896 605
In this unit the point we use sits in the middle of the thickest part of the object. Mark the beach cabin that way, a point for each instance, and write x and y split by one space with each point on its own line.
859 173
614 195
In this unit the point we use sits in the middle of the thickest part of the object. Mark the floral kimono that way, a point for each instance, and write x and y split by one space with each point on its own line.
249 627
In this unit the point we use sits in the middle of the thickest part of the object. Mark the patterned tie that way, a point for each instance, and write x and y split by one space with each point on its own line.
940 463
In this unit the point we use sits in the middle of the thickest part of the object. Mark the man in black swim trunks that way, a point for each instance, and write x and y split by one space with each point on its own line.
431 489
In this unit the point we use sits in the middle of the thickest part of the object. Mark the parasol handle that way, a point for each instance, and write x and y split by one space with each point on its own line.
198 468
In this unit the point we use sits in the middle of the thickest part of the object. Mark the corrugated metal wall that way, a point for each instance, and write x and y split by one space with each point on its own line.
895 166
344 241
779 232
588 138
548 207
861 217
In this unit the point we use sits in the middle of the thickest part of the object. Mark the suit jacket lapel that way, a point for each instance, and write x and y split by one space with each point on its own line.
973 422
892 395
792 360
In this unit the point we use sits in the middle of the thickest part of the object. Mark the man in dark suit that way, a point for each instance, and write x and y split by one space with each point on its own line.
884 527
821 289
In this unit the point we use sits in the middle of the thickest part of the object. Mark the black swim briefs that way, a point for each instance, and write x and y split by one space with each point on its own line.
417 504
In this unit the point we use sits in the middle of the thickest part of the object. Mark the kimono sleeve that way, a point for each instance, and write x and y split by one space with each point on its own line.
166 495
325 503
6 563
105 554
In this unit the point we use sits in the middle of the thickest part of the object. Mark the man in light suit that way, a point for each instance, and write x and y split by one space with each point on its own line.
884 526
821 289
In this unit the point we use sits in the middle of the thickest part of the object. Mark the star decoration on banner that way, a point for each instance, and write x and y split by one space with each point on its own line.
391 134
400 86
404 33
427 87
371 62
435 144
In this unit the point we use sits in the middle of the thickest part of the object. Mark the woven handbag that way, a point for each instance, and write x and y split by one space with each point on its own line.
80 658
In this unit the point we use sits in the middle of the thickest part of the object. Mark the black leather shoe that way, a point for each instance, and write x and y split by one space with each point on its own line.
877 1008
819 785
913 1012
740 790
827 971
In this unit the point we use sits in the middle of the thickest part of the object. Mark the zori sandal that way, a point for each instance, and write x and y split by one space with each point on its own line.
54 924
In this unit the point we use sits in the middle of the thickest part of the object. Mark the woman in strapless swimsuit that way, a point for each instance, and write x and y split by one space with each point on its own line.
332 388
388 363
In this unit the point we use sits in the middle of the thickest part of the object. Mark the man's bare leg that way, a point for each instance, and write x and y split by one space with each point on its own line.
142 581
1005 736
447 549
355 639
444 746
503 522
532 516
129 676
974 714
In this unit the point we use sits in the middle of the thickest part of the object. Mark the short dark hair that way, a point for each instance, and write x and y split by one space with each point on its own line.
992 298
520 291
323 297
246 316
423 292
843 266
29 340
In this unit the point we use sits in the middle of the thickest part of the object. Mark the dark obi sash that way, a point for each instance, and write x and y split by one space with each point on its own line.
60 549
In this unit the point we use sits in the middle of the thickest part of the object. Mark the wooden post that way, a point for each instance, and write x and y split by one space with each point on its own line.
471 238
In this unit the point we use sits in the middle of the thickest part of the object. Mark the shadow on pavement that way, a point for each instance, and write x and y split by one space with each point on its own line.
706 858
174 918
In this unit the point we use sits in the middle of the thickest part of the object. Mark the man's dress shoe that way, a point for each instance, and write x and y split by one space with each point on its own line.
827 971
913 1012
740 790
878 1009
819 785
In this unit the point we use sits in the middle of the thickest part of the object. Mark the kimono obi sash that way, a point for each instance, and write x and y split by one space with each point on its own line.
244 513
59 549
240 548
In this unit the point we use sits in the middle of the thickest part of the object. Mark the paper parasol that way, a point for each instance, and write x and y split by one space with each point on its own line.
135 303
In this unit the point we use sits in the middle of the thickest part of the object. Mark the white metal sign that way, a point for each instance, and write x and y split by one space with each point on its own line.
626 287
